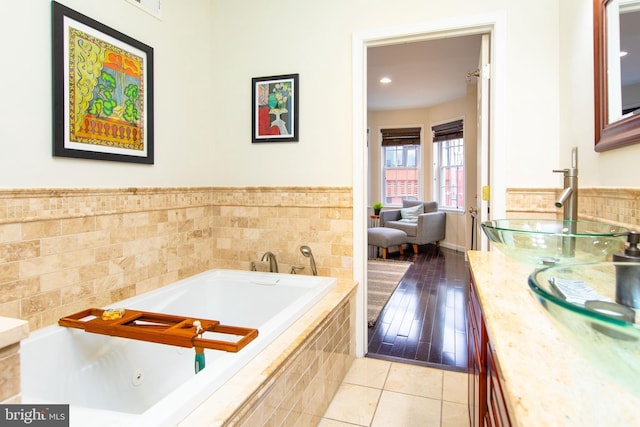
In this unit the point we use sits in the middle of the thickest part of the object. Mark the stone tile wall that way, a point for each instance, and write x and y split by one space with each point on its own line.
299 392
10 374
617 206
63 250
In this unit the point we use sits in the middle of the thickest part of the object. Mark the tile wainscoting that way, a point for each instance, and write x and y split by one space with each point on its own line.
12 331
617 206
302 387
63 250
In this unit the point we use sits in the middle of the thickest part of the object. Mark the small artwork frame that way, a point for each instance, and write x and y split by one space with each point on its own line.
102 91
274 108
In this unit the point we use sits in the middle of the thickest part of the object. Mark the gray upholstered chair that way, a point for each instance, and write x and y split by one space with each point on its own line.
423 228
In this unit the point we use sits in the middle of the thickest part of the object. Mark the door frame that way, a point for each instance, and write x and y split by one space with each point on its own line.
492 23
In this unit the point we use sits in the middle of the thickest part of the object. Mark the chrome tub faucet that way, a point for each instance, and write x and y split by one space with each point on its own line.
273 263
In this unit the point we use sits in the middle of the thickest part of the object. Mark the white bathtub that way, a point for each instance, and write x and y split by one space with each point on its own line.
111 381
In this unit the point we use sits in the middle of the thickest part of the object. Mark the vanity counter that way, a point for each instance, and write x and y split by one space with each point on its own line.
12 331
545 381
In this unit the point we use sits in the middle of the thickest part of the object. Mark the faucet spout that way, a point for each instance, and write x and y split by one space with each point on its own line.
563 197
273 263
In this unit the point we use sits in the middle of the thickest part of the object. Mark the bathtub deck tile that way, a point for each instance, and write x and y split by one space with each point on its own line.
289 353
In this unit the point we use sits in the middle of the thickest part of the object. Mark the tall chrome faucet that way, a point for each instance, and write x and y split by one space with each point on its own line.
273 263
569 201
569 197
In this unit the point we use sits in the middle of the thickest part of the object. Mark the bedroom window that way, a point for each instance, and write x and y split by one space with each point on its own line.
448 165
401 167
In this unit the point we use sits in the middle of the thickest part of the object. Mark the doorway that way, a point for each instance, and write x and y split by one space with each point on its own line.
493 25
428 83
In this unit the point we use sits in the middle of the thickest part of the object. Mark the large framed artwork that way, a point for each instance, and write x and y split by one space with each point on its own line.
274 112
102 91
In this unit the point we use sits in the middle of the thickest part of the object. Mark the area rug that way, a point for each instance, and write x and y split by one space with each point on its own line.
383 278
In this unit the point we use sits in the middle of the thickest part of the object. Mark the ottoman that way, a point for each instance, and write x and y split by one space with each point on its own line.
384 237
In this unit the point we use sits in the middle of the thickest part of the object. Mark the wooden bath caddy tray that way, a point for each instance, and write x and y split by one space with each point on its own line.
159 328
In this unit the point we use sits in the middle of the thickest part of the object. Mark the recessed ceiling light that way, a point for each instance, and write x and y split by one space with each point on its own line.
385 80
623 53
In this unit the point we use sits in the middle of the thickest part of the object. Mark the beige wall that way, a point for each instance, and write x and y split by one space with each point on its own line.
183 132
206 52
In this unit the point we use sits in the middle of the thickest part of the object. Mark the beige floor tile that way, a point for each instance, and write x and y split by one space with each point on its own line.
454 415
368 372
455 387
353 404
416 380
403 410
325 422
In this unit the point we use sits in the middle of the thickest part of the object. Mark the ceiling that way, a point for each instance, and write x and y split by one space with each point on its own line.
423 73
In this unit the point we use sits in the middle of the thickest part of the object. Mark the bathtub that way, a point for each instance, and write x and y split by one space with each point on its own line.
115 381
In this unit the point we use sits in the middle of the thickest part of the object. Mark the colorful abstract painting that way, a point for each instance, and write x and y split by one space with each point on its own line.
102 91
275 108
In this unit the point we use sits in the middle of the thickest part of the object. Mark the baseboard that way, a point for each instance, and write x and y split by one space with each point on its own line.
454 247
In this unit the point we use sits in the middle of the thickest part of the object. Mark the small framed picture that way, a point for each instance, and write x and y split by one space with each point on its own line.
102 91
274 112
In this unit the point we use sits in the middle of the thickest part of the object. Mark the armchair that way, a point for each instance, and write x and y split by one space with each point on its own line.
428 227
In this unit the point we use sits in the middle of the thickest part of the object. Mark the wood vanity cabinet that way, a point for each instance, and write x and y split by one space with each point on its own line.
476 359
487 406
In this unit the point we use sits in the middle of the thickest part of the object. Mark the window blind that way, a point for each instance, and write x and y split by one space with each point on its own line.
400 136
447 131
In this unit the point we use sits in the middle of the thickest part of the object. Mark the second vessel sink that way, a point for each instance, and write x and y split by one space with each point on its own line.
582 299
542 242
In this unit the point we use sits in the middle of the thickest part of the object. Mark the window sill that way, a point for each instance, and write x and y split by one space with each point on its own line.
452 210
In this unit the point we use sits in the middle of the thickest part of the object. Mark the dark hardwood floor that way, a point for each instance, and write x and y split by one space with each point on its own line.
424 321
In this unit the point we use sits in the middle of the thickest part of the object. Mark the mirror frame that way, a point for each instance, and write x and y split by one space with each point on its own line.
625 131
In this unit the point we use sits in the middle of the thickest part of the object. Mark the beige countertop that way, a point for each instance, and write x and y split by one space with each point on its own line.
546 382
12 331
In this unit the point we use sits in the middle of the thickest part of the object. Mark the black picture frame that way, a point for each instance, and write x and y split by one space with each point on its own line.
274 108
105 113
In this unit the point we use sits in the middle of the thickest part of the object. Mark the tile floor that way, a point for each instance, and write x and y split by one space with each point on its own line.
379 393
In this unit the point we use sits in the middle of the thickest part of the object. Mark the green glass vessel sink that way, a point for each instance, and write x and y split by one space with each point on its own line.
581 299
543 242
